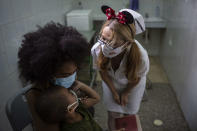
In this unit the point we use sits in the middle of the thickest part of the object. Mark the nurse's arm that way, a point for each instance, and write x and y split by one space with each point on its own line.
126 91
106 78
131 85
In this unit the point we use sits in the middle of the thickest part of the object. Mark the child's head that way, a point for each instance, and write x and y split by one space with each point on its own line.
55 104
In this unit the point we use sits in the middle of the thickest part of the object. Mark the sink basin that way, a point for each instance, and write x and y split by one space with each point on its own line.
151 22
154 19
155 22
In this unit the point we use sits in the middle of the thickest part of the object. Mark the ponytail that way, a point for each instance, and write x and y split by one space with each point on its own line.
133 63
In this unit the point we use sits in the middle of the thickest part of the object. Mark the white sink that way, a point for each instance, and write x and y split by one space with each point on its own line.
155 22
151 22
154 19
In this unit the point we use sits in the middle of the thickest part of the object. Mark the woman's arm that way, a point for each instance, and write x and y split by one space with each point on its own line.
92 97
127 90
131 85
106 78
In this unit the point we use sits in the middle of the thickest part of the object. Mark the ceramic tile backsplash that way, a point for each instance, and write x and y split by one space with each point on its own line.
178 54
154 8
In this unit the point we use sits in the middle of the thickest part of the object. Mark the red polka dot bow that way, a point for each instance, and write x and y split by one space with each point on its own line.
110 13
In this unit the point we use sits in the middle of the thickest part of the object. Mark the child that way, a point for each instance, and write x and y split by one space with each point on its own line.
61 105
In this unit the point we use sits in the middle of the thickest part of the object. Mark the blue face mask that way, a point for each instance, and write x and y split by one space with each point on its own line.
66 81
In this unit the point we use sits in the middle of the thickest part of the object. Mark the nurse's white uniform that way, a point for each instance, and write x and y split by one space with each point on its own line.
120 82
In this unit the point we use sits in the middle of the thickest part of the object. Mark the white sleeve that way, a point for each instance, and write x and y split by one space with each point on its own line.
95 52
94 59
144 67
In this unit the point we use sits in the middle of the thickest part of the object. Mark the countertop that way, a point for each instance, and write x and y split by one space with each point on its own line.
151 22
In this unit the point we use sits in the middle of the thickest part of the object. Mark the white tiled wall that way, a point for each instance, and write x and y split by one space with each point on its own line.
17 18
6 11
145 6
179 56
149 6
96 4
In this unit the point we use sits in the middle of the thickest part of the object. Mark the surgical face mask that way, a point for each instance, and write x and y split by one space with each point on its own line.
66 81
109 51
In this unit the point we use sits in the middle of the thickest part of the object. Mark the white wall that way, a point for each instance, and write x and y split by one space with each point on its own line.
95 5
149 6
18 17
146 6
179 54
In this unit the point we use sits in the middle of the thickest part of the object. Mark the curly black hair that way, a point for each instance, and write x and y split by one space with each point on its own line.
43 51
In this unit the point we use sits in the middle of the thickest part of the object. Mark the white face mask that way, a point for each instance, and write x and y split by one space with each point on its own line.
110 52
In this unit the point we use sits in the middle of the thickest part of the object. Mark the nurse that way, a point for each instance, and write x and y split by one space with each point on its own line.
122 62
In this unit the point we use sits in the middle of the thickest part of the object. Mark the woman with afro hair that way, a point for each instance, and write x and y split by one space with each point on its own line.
49 57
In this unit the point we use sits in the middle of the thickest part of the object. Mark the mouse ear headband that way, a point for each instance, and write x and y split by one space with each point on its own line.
123 17
126 16
138 20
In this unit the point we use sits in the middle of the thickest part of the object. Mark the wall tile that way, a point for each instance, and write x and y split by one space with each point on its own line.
6 11
38 6
2 43
4 67
12 34
21 8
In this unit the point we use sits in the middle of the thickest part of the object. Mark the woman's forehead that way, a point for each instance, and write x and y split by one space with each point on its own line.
67 67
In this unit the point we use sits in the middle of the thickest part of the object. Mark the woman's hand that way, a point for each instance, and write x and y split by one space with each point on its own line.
116 97
76 88
90 96
124 98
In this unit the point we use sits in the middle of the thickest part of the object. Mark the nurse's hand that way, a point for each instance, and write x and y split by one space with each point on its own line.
116 97
124 98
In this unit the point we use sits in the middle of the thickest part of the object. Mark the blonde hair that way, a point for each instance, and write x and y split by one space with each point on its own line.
121 31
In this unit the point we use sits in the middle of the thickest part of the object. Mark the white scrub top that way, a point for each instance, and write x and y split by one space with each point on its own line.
120 81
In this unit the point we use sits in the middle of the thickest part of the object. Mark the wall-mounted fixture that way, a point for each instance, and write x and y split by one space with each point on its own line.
80 19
